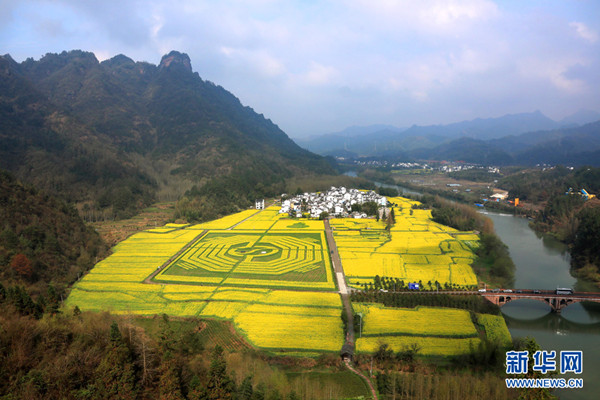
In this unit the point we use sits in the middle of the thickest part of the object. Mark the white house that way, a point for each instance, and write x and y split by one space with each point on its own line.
260 204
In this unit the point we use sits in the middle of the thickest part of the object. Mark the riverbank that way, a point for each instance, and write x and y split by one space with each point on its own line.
493 265
544 263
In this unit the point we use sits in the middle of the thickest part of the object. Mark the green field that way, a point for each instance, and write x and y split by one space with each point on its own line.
289 259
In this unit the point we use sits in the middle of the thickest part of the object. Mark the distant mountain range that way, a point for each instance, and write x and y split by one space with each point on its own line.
121 133
527 138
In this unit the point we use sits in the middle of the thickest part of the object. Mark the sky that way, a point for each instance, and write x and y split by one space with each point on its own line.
315 67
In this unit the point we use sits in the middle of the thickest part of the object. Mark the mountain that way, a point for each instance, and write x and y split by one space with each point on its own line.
397 142
568 146
581 117
574 146
487 128
467 150
119 134
350 140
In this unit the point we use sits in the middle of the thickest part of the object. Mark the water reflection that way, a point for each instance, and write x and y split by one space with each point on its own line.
574 319
544 263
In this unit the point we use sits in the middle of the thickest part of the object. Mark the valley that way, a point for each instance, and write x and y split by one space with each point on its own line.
271 276
201 294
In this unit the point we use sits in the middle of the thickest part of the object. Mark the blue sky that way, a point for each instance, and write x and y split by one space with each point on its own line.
321 66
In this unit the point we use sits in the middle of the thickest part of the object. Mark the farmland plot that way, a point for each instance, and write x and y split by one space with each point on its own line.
434 331
271 277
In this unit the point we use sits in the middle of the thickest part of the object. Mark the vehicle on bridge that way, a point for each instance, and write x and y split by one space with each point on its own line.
564 291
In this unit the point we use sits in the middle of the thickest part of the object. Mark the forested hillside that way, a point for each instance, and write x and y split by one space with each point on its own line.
117 135
567 215
42 239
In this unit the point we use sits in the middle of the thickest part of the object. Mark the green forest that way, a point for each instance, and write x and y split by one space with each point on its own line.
567 214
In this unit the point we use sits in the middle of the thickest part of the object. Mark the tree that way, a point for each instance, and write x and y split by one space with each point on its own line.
53 300
530 344
384 383
169 382
9 239
115 334
274 395
391 219
245 391
115 375
384 353
196 390
22 266
259 392
293 396
586 247
220 385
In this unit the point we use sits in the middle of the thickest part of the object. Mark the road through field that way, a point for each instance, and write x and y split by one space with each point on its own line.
341 278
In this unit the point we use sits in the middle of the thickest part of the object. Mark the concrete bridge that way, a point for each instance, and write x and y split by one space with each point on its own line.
556 301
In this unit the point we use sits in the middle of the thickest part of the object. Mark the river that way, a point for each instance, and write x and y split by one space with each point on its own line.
544 263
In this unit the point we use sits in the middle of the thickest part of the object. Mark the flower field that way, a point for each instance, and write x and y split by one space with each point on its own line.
234 271
427 346
254 258
436 331
272 277
415 249
495 328
421 321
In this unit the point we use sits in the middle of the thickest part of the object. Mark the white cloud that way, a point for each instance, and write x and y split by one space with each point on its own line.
553 71
318 74
259 60
584 31
436 17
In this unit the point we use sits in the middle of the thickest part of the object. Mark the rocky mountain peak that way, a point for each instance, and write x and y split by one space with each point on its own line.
175 58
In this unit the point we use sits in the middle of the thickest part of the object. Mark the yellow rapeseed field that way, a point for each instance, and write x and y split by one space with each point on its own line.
223 309
495 328
415 249
226 222
427 321
253 259
277 331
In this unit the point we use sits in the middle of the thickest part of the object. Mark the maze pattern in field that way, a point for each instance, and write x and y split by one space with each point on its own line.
257 257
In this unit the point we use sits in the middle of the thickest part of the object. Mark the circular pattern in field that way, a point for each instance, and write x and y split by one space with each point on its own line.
257 257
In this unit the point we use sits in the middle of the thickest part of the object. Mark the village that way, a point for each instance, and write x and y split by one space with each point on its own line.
334 202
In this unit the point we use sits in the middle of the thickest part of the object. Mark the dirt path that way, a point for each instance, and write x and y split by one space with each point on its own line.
373 391
173 257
